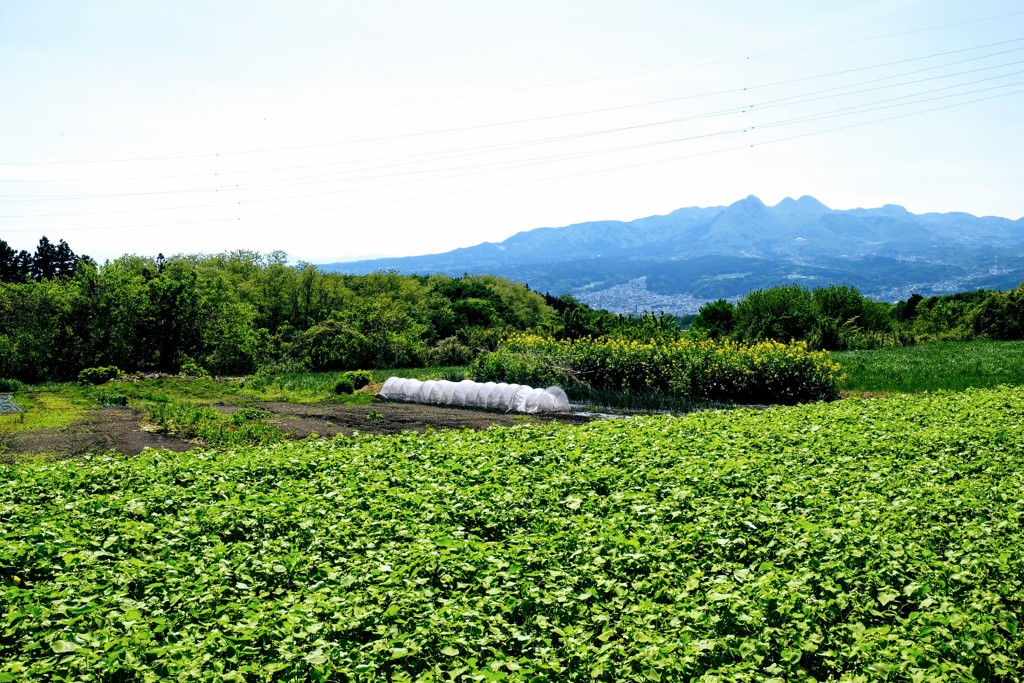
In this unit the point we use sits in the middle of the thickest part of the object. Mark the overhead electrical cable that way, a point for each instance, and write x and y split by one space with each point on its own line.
208 155
434 156
283 214
759 107
503 91
477 169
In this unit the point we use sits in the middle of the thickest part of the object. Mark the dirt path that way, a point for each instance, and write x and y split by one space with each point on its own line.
123 429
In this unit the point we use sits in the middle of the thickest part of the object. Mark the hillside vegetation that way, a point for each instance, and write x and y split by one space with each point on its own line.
839 317
235 313
64 317
242 312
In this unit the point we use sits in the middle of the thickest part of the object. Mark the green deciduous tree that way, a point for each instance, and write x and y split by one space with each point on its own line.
716 319
1001 315
778 313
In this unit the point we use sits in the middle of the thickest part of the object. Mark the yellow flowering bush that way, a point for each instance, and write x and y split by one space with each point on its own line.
765 372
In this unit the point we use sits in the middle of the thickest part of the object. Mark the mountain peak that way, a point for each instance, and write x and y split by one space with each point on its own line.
695 255
751 201
805 204
748 208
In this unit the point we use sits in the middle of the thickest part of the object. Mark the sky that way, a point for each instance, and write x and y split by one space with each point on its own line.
339 130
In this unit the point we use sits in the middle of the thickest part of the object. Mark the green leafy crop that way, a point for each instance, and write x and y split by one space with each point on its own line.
855 541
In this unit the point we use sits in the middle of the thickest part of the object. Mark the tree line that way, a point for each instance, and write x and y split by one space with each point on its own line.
839 317
48 261
235 313
242 312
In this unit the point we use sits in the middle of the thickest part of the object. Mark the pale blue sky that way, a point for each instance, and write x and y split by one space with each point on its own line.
338 130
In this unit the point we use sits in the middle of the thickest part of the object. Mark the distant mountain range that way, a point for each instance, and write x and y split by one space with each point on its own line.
675 263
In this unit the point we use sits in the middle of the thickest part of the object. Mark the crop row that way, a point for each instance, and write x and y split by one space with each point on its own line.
765 372
859 540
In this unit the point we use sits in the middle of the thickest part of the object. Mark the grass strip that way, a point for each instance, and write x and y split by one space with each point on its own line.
951 366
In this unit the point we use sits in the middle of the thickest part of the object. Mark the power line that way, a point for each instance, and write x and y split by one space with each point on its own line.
491 165
781 102
621 167
559 84
460 129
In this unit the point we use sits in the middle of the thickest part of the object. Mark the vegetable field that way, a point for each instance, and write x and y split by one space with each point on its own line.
857 540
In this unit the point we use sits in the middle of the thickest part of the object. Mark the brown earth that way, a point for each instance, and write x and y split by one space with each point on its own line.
123 429
330 419
114 428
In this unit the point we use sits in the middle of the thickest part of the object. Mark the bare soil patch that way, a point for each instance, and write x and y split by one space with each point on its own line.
123 429
114 428
330 419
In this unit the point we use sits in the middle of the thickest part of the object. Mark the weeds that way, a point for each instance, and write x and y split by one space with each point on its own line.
951 366
246 427
47 409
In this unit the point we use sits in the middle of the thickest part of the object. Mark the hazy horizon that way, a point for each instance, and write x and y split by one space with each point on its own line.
336 132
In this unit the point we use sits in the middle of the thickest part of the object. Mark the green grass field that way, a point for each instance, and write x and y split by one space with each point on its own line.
45 409
930 367
307 387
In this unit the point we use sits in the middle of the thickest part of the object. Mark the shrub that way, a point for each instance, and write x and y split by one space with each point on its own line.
449 351
716 319
190 368
846 319
359 379
331 345
1001 315
344 385
99 375
766 372
525 360
10 386
483 338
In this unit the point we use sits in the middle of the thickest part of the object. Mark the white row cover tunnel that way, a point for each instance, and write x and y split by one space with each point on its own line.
469 394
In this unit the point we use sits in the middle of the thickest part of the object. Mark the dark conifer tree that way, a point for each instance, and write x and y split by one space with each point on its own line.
14 265
23 264
44 261
65 260
7 257
50 260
